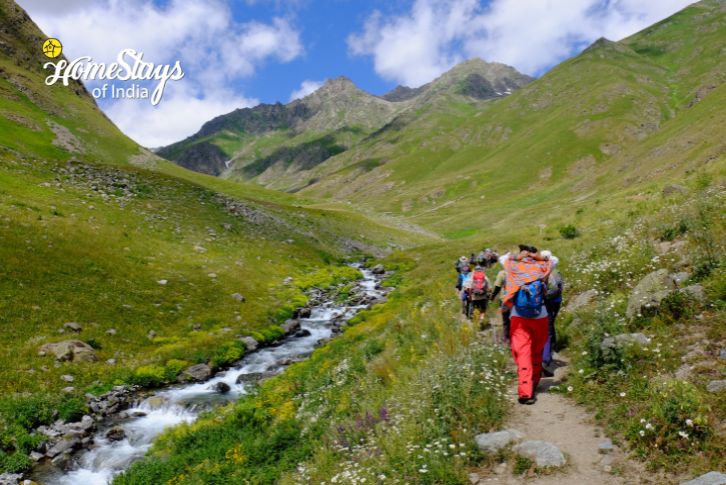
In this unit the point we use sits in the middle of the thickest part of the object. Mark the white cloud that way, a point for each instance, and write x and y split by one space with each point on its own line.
306 87
215 52
531 35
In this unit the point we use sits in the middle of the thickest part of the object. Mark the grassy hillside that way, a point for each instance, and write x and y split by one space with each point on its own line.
278 145
597 125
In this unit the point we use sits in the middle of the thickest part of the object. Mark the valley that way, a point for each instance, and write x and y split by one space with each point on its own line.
161 262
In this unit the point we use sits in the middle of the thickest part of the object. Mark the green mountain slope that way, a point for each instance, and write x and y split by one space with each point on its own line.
579 132
144 255
277 145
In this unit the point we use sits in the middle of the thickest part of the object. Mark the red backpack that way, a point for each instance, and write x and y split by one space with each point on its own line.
479 285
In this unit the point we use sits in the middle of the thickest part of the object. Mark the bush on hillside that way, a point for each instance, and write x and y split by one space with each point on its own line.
569 231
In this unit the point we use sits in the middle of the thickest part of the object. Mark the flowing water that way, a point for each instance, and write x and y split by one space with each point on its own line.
179 404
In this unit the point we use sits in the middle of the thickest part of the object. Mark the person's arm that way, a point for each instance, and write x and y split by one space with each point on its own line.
496 291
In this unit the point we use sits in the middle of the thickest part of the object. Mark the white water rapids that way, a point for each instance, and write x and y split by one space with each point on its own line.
183 403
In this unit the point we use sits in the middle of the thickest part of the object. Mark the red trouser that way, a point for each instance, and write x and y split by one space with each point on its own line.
529 336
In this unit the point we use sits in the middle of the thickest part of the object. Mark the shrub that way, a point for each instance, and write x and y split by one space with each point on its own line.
678 305
149 376
228 353
14 463
569 232
72 409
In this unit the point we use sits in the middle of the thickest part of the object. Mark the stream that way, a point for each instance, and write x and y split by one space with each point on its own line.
171 406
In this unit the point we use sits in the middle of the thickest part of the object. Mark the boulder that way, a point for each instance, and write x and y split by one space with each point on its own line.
290 326
70 350
582 300
199 372
67 378
378 269
696 292
221 387
542 453
710 478
624 339
649 292
493 442
116 433
238 297
716 386
250 343
63 446
303 312
722 354
72 327
303 332
10 478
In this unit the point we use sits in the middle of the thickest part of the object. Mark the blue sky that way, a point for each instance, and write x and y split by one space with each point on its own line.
238 53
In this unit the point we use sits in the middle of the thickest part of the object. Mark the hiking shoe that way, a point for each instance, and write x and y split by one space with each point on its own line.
526 400
530 401
546 372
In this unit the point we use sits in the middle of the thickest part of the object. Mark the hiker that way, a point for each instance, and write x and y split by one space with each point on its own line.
461 292
487 258
499 283
477 288
460 263
553 301
524 294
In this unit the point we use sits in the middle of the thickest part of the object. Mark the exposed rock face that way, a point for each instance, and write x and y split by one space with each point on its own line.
290 326
70 350
204 157
250 343
716 386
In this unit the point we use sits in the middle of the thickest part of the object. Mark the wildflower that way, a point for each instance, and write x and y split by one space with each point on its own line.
642 420
622 394
689 422
581 371
649 426
683 434
570 388
641 432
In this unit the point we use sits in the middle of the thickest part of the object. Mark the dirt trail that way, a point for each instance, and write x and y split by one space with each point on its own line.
558 420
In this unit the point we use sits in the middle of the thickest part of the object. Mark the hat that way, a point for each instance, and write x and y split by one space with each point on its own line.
463 259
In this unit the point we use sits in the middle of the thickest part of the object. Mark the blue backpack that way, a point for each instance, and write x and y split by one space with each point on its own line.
529 299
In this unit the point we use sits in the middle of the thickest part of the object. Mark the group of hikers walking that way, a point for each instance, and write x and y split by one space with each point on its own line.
530 289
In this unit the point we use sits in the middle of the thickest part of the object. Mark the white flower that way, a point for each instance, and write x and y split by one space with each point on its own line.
648 426
683 434
641 432
622 394
642 420
581 371
570 388
689 422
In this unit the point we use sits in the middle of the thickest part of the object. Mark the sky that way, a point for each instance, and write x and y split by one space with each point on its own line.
239 53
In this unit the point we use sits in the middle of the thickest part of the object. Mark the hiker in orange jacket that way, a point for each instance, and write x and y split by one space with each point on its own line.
524 293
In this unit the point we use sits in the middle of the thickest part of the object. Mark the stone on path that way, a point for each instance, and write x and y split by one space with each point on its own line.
710 478
542 453
493 442
605 446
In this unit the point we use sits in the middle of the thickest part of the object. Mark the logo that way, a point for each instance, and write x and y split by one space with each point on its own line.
129 66
52 48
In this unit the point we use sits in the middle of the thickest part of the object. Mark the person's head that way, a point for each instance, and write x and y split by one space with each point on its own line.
464 259
527 250
478 267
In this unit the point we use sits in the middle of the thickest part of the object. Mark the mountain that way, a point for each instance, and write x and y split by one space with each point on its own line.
600 123
274 144
55 121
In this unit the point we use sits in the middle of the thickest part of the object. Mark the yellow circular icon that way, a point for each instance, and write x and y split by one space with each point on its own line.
52 48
